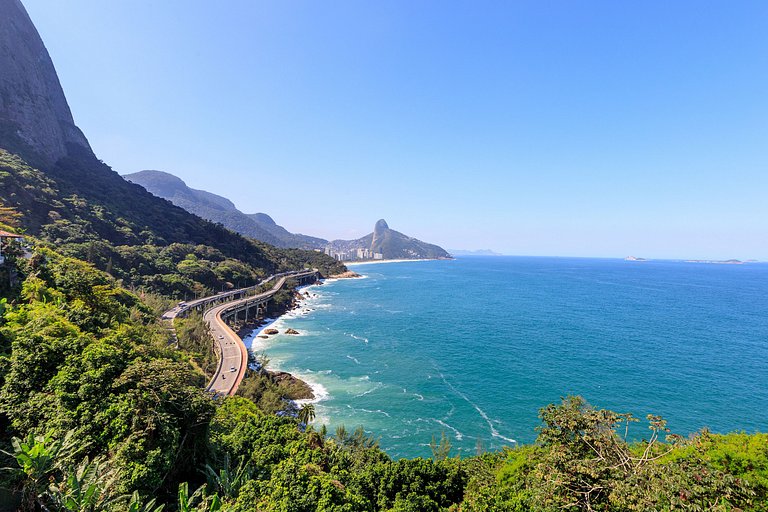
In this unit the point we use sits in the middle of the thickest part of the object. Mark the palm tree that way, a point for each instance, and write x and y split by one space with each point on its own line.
306 413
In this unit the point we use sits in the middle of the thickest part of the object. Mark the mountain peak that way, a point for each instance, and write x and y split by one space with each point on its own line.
381 225
34 114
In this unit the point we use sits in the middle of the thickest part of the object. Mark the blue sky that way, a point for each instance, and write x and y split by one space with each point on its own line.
528 127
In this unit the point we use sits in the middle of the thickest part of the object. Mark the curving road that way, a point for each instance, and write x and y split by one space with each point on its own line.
233 355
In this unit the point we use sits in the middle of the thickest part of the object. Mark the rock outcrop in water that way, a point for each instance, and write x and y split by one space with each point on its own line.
35 119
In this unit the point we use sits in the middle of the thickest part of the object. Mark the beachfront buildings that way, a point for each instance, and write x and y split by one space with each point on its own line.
358 254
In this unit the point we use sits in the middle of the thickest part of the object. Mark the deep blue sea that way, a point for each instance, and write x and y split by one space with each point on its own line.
475 346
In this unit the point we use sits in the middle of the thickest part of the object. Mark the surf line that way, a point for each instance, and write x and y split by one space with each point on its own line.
494 432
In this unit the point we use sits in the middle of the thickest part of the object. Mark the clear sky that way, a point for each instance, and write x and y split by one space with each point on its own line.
573 128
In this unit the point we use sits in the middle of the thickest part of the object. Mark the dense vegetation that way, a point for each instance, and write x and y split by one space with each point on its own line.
83 209
104 412
102 409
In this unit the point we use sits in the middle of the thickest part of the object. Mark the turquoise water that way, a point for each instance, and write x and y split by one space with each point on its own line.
474 347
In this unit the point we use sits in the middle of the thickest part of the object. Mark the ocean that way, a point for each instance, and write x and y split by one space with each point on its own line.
474 347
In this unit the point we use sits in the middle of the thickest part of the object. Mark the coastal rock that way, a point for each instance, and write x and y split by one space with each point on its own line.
271 331
263 336
298 389
346 275
291 331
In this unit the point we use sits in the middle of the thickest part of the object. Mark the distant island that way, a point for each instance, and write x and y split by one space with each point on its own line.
634 258
719 262
475 252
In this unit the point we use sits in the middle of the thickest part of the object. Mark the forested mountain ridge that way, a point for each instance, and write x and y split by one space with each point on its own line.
389 243
72 200
221 210
100 411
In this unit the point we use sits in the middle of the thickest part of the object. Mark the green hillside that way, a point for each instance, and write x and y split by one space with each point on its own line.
84 209
259 226
101 409
99 412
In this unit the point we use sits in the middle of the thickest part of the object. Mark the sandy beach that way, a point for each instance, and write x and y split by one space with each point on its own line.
377 262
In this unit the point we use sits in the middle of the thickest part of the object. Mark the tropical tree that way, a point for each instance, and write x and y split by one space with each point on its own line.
89 487
198 501
226 481
307 413
441 449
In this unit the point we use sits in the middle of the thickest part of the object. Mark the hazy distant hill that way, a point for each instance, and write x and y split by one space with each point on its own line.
220 209
391 244
51 180
476 252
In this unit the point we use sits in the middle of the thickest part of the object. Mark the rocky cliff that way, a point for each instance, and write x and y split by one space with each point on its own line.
35 120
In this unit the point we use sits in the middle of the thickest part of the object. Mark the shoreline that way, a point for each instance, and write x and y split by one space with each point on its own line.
256 332
379 262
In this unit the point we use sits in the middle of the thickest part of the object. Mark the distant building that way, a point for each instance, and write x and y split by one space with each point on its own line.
5 237
353 254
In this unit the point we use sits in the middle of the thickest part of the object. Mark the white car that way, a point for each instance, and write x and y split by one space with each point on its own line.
232 369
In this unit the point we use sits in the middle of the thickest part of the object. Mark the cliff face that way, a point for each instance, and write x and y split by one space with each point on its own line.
34 115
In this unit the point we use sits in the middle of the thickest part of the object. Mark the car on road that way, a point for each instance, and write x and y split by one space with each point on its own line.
232 369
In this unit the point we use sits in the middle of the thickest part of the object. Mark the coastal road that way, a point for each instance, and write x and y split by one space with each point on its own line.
233 355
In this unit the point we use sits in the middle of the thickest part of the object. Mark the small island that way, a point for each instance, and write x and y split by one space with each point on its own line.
634 258
717 262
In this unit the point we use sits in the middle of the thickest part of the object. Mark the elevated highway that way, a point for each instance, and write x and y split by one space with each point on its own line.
232 305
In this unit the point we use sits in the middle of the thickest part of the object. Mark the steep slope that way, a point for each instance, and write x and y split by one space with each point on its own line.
391 244
205 204
72 200
34 116
221 210
288 239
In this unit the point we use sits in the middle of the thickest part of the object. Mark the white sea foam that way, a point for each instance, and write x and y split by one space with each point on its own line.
377 411
369 391
458 435
359 338
420 397
494 432
369 411
321 393
353 359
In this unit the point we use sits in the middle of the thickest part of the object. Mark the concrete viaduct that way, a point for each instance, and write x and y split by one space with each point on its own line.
221 309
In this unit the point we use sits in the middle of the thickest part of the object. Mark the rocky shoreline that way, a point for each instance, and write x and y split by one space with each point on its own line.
345 275
300 390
